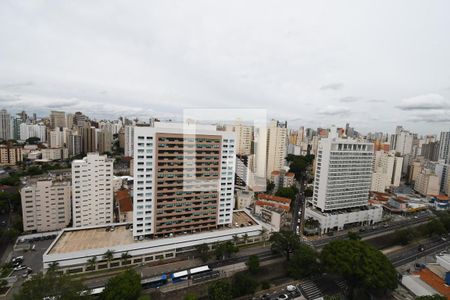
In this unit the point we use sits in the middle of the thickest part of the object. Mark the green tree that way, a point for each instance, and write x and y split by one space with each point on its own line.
203 251
435 227
309 192
125 286
243 284
91 262
225 250
253 264
125 258
304 262
270 186
33 140
284 242
190 296
108 256
51 285
364 268
403 237
287 192
353 236
220 290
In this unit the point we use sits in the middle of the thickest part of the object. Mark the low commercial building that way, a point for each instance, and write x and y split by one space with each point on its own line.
274 201
277 218
124 205
338 220
46 203
55 153
74 247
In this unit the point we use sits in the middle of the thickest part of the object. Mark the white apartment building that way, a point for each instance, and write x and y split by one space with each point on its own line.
92 192
277 141
402 141
342 182
129 141
33 130
387 171
183 179
56 138
46 203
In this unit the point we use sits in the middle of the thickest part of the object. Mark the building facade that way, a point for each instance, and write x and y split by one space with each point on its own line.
57 119
46 203
92 191
183 179
10 155
5 125
277 136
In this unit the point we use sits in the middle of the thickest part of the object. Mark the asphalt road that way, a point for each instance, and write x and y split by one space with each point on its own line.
379 229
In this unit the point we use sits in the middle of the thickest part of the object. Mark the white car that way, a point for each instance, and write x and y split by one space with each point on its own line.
283 297
20 268
291 288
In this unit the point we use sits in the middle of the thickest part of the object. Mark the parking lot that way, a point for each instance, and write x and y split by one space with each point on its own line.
33 258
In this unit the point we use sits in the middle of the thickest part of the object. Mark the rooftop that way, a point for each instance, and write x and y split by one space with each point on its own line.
274 198
124 200
73 240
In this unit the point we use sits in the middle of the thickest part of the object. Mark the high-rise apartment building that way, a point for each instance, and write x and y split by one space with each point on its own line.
88 139
129 141
387 171
92 190
341 186
183 179
33 130
277 136
5 125
56 138
244 138
105 139
427 183
402 141
444 146
430 151
57 119
343 174
46 203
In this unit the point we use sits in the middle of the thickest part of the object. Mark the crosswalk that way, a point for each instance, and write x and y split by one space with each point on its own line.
310 290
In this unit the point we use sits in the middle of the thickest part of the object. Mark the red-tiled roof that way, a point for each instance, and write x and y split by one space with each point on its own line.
285 207
434 281
289 174
275 173
274 198
124 200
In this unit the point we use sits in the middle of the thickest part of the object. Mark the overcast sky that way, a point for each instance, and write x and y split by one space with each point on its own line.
375 64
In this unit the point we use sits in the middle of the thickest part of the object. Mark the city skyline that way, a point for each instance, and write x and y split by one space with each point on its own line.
310 58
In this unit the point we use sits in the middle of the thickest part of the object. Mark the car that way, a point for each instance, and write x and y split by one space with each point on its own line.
21 267
421 248
291 288
416 217
386 225
283 297
18 258
443 239
362 229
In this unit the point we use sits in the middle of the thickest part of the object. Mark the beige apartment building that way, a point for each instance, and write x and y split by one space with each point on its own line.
10 155
92 192
46 203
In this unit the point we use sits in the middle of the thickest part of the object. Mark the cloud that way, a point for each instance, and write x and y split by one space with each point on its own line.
441 116
16 85
424 102
331 110
332 86
376 101
349 99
